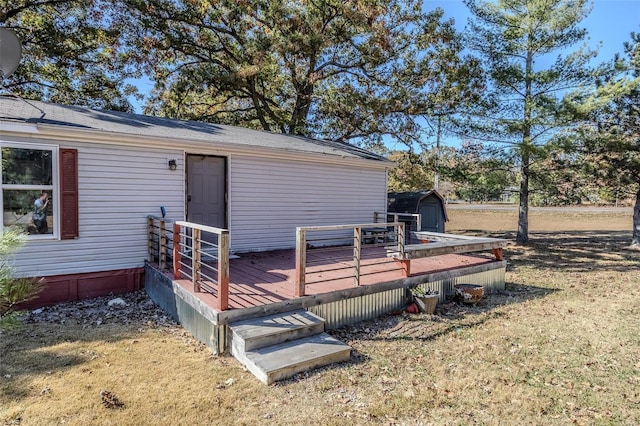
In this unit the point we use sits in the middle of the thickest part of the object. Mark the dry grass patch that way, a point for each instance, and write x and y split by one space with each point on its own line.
561 345
55 373
544 220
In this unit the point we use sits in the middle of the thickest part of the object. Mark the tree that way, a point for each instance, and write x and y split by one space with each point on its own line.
72 53
324 68
557 178
413 172
528 89
457 84
611 143
478 173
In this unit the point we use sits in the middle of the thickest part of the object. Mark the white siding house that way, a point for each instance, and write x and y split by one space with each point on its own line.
272 183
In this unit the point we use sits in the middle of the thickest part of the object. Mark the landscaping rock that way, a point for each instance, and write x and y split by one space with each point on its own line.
130 308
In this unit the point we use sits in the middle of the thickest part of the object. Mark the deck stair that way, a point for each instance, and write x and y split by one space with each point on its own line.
279 346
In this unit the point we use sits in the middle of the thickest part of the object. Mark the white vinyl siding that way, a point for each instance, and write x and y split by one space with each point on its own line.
118 187
269 198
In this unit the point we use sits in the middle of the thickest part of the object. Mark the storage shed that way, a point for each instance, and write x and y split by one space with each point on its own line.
429 204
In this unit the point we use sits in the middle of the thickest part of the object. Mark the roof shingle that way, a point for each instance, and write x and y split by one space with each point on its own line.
19 110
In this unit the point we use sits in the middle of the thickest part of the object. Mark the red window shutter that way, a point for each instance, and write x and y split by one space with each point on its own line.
68 193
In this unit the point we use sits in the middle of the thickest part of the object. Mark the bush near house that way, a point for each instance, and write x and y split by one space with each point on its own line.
13 290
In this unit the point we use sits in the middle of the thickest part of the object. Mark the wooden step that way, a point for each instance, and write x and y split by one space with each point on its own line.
284 360
257 333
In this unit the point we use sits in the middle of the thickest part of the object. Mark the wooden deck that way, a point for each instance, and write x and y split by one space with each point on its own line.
264 278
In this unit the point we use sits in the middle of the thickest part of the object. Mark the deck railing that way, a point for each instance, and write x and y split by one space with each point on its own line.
160 241
412 222
346 245
180 246
201 253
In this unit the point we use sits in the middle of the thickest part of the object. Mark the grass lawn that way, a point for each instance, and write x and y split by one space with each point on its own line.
561 345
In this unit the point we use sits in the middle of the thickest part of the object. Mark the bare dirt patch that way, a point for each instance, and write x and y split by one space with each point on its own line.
561 345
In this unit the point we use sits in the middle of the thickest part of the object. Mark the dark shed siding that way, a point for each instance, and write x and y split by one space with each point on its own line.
429 204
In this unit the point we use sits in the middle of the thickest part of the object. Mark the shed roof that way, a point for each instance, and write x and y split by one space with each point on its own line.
111 122
409 202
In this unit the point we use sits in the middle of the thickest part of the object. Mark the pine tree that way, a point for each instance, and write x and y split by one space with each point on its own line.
527 86
611 138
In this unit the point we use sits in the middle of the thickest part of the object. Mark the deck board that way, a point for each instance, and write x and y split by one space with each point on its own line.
258 279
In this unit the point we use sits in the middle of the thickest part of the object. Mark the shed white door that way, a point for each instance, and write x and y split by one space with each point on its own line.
206 184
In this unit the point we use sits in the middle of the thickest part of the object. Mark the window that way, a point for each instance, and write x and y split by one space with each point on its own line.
39 189
29 171
30 188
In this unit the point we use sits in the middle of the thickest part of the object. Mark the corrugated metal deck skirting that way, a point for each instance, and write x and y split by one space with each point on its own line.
210 326
351 311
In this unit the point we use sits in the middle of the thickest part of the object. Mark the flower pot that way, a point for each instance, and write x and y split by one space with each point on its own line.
427 303
412 308
469 293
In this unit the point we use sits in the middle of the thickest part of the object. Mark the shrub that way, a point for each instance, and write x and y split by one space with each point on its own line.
13 290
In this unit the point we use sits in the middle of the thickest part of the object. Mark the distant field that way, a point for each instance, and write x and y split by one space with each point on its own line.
484 218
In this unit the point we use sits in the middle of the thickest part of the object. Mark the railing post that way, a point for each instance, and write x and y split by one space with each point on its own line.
497 252
162 245
150 242
223 271
195 258
375 217
301 261
177 256
357 247
404 262
400 226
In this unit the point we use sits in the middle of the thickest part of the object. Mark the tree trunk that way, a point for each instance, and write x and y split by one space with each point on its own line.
436 178
301 110
522 237
635 239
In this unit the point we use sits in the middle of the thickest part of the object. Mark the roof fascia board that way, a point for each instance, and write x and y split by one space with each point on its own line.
17 127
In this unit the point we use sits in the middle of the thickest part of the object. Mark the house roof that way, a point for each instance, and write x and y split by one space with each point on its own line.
111 122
